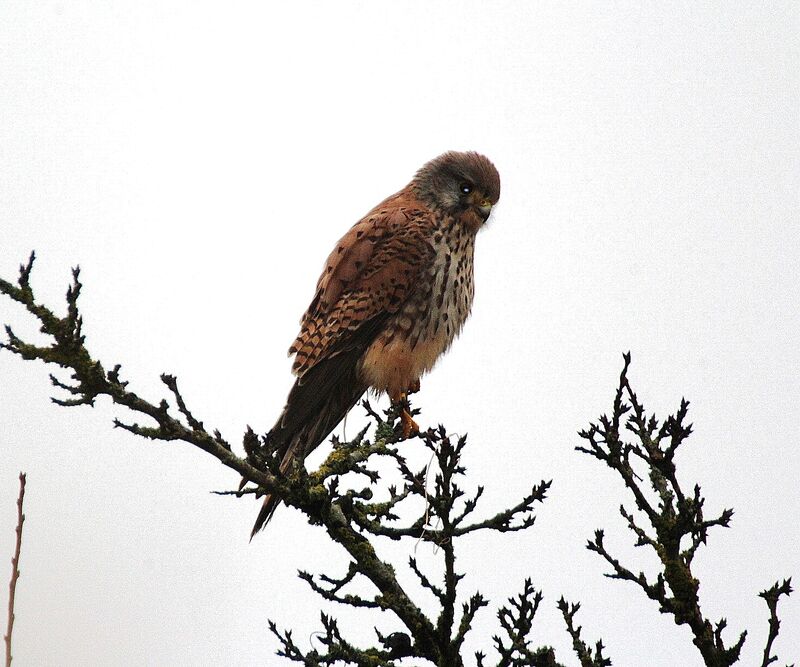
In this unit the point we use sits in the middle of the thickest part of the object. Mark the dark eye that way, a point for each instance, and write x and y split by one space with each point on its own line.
465 187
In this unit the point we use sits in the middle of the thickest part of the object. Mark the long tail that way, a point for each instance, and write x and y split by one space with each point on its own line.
318 401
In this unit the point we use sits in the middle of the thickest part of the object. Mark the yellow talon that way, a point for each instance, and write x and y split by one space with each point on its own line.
409 425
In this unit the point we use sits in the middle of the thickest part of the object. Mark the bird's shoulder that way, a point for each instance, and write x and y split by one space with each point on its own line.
393 238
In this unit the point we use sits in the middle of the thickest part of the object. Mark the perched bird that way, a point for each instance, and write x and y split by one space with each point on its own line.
392 296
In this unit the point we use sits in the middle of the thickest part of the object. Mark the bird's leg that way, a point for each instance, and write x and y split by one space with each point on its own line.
414 388
409 425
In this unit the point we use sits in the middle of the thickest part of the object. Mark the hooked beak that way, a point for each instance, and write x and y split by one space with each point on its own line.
485 208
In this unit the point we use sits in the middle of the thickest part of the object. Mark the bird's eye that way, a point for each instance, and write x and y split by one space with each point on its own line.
465 187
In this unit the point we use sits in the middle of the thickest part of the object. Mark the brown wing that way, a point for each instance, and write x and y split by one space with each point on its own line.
369 274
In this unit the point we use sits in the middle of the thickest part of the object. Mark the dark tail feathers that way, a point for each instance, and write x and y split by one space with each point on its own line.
317 402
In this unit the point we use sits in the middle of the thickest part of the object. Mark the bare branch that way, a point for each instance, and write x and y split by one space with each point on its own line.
503 522
587 657
12 586
771 597
172 384
674 515
338 650
335 585
516 619
426 583
90 379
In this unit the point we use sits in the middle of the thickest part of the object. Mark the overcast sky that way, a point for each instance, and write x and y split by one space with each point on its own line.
198 160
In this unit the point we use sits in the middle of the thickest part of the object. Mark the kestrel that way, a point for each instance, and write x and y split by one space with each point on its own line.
393 295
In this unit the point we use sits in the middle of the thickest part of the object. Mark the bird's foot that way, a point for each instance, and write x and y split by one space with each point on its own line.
410 427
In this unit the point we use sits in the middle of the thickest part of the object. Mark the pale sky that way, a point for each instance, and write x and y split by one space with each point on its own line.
198 160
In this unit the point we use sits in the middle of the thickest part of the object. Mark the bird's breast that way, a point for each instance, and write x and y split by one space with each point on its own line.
421 331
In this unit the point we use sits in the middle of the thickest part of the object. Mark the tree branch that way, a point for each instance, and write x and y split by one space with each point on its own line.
12 586
587 657
674 515
91 380
771 597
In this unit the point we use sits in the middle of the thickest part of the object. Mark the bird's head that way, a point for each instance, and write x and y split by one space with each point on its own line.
466 185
